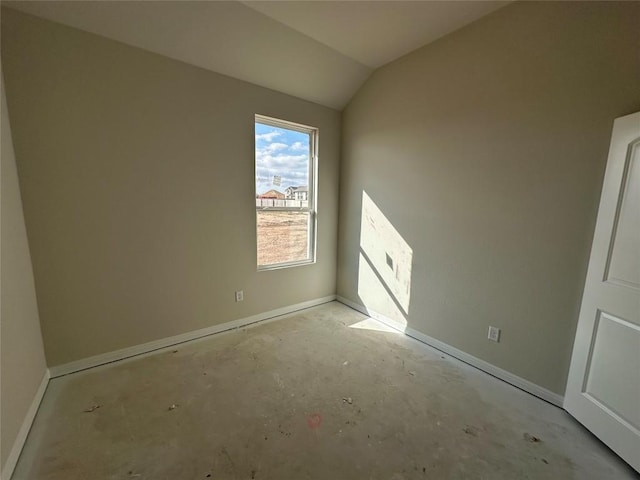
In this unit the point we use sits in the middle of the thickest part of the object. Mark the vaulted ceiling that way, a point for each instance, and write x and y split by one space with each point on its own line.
321 51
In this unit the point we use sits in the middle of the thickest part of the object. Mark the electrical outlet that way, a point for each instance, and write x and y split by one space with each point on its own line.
239 296
389 261
494 334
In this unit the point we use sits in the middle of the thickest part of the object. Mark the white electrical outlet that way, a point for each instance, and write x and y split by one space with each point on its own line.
494 334
239 296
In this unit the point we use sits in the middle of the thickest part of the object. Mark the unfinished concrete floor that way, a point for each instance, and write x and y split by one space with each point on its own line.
306 397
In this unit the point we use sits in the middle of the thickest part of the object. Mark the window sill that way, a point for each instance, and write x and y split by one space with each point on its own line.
280 266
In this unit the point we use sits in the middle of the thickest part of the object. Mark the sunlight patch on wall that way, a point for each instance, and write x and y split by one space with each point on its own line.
384 270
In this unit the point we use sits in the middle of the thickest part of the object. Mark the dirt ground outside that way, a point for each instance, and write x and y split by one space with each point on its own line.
282 237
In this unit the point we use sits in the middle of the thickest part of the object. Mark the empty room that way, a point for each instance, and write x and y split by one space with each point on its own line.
320 240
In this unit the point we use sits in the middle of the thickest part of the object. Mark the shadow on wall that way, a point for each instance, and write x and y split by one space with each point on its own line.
384 267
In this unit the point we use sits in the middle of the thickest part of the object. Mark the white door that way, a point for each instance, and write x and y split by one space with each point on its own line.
603 390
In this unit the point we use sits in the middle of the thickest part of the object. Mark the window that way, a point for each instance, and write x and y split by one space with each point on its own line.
286 157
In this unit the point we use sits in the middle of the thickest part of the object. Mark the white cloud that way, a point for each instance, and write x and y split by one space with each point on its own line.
274 147
268 136
289 162
292 173
297 146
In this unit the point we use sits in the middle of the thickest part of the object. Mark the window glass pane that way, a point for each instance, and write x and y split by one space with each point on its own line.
282 162
284 192
282 237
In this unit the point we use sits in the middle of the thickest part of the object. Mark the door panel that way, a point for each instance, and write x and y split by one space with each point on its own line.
607 380
603 388
623 266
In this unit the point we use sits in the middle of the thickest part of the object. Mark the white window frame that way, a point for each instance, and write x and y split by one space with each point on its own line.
312 195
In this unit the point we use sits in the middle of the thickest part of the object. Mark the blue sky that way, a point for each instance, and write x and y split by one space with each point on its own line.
281 152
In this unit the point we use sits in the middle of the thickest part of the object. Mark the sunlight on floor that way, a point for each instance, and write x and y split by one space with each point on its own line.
375 325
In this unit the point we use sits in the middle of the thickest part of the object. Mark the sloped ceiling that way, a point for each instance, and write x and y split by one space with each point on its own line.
321 51
375 32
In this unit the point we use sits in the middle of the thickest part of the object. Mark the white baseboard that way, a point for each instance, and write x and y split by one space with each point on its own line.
486 367
16 449
146 348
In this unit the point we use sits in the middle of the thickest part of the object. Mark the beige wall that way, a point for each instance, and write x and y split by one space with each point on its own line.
22 355
486 151
137 175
